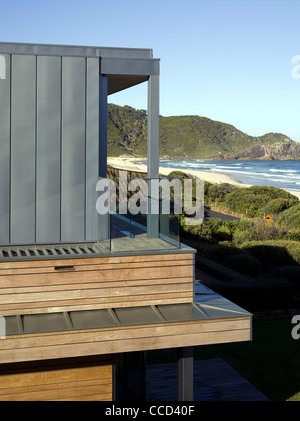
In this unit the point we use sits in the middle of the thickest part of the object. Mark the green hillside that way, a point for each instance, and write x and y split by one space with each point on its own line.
192 137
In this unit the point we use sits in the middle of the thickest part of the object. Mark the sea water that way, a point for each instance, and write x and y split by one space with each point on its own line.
282 174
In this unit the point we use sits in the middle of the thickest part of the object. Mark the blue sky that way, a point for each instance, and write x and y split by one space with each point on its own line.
227 60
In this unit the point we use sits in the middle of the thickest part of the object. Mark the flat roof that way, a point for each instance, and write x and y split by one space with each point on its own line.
75 50
116 82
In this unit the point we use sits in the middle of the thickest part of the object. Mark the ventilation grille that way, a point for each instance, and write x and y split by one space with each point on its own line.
60 251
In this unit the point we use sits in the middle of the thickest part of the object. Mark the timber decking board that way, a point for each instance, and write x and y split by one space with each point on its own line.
117 281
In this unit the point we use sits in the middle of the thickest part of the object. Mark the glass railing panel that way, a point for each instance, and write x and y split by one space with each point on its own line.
142 216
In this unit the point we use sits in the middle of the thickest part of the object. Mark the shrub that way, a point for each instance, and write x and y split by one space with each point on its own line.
218 192
258 231
291 217
278 205
179 174
211 230
220 252
279 290
250 201
274 253
244 264
294 236
290 273
216 270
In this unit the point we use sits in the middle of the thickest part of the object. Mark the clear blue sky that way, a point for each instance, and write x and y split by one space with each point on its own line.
228 60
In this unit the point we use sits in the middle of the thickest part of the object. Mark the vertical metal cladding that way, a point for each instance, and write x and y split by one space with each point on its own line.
73 148
92 147
48 168
49 113
23 148
5 152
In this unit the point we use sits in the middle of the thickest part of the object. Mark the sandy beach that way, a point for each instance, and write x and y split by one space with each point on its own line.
136 164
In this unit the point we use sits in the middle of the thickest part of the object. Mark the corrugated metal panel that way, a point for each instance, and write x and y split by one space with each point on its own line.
23 148
48 149
73 149
5 154
49 163
92 148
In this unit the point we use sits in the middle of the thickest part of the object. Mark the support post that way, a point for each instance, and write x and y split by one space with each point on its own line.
186 374
103 86
153 149
103 220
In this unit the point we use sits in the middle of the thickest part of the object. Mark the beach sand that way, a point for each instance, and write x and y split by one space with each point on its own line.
136 164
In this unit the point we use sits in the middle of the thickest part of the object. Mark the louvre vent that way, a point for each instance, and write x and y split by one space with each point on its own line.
50 251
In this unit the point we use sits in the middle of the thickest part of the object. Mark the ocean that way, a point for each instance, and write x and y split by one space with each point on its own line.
282 174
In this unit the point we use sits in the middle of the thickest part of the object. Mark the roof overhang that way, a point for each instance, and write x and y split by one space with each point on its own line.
123 73
124 67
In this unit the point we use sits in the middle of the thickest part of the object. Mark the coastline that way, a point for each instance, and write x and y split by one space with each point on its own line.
134 164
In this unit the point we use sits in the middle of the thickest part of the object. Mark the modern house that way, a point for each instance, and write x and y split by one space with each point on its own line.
83 296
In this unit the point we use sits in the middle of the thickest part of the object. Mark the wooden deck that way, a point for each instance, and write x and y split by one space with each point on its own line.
214 380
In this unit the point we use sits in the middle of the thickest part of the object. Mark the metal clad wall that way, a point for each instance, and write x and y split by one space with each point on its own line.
5 154
92 147
49 139
23 139
73 149
48 149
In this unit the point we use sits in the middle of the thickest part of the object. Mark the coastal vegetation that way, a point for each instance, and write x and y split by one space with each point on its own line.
192 137
254 263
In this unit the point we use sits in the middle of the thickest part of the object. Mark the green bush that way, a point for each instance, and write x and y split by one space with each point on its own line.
252 200
220 272
244 264
294 236
219 252
179 174
257 231
274 253
290 273
278 205
280 290
291 217
211 230
218 192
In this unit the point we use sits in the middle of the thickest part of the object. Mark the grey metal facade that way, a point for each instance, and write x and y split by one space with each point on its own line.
53 136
